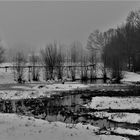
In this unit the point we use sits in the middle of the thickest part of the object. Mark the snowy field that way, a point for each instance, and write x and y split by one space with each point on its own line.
15 127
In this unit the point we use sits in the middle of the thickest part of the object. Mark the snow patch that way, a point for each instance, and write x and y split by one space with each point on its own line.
131 77
114 103
126 131
132 118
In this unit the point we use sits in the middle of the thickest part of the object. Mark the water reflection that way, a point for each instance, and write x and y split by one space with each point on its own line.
68 109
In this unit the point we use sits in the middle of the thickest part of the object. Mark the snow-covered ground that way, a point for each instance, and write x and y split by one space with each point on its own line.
126 131
14 94
14 127
39 90
131 118
6 77
114 103
131 77
59 87
33 89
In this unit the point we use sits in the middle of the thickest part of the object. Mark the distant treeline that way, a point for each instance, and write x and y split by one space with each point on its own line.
115 50
120 47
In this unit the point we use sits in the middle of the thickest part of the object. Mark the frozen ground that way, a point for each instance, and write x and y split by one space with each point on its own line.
59 87
15 127
132 118
114 103
131 77
119 103
37 90
126 131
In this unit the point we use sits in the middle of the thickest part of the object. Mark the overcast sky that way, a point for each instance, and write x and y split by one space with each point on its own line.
38 23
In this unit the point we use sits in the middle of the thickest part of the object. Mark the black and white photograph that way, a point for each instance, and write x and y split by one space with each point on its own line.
69 70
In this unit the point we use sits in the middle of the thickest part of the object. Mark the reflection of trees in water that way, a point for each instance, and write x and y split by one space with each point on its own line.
53 106
66 109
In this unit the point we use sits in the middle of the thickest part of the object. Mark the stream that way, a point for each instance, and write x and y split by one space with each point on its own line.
66 108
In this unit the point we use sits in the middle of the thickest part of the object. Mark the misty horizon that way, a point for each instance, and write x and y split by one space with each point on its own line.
32 25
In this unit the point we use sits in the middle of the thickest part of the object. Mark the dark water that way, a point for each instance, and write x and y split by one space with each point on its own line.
68 109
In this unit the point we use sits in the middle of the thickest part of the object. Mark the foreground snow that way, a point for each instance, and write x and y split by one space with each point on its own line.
13 127
114 103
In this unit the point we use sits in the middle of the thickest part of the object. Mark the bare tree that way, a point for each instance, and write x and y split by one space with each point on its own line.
84 68
115 59
19 66
49 57
75 56
92 62
2 52
95 41
34 59
104 53
95 46
60 62
132 36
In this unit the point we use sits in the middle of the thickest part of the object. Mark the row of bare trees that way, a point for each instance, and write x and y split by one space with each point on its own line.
119 48
115 50
54 60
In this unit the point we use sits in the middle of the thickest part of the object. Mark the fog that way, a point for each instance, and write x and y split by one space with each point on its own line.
31 25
